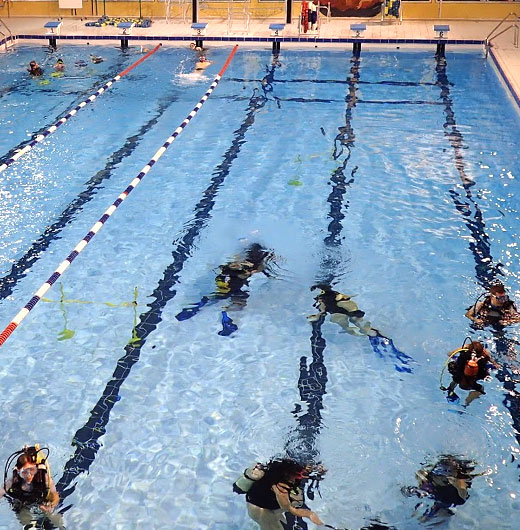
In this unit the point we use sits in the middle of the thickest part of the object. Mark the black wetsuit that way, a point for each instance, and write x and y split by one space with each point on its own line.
262 495
237 277
38 494
36 71
470 382
492 315
328 299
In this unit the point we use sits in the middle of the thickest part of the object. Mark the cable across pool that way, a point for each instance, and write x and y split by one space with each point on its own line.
64 265
74 111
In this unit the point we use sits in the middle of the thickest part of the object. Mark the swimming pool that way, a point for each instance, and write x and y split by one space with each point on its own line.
352 172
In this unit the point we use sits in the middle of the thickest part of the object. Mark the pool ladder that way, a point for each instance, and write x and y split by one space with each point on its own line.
238 11
8 39
494 33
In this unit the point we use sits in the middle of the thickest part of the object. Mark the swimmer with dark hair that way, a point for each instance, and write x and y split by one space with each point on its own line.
202 63
35 69
59 66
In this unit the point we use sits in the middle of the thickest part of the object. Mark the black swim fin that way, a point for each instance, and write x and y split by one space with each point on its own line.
189 312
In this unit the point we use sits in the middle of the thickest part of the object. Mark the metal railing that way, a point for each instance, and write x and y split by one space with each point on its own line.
4 36
238 10
494 33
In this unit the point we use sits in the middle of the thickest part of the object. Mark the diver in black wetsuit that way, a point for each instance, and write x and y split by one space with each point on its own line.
446 482
230 281
31 490
471 365
495 310
342 310
274 489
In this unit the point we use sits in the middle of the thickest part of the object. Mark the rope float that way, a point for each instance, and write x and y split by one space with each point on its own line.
74 111
97 226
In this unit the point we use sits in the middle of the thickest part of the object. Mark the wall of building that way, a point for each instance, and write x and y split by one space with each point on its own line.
429 9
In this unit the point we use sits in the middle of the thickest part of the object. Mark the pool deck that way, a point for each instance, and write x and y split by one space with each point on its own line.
504 52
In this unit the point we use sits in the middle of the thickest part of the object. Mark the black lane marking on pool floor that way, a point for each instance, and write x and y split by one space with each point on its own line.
338 82
22 265
312 382
485 269
81 96
86 438
325 100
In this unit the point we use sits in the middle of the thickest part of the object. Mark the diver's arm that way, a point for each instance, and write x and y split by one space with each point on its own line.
510 316
473 312
487 355
3 490
52 498
282 496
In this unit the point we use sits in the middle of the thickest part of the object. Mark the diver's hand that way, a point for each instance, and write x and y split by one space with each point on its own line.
315 519
48 508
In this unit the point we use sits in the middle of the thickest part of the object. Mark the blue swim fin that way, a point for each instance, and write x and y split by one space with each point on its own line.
384 347
227 325
189 312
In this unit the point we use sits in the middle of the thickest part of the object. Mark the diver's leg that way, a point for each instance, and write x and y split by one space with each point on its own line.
474 394
365 327
343 320
266 519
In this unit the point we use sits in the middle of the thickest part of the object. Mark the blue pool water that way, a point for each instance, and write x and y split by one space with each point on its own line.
390 177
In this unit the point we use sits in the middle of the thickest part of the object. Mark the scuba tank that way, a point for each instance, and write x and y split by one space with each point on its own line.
471 368
244 483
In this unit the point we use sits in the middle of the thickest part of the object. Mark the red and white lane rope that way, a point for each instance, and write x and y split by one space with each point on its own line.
95 229
73 112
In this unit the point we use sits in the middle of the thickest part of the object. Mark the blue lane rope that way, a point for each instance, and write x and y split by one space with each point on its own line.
40 137
64 265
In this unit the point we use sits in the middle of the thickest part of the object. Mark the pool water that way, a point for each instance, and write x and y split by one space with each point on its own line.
392 177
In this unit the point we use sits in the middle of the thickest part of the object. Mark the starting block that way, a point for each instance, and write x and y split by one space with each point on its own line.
441 29
358 29
441 46
199 30
53 29
126 29
276 29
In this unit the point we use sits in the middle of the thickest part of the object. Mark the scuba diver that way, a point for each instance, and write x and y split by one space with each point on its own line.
344 312
446 482
471 365
274 489
495 310
31 490
230 281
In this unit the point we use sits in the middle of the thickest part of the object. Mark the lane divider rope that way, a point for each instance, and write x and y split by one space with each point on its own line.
73 112
102 220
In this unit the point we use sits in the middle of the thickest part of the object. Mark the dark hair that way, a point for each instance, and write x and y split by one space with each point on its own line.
497 288
476 347
322 286
283 470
